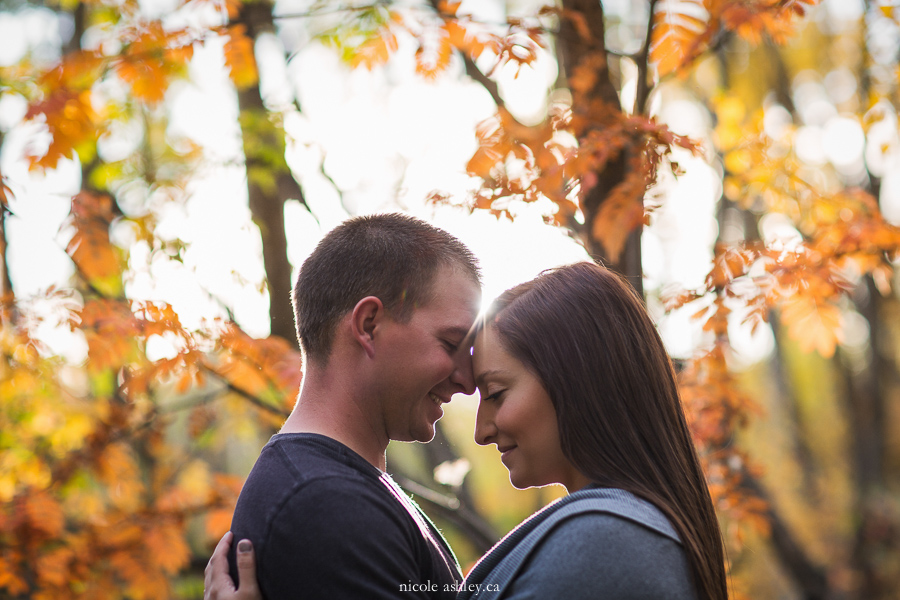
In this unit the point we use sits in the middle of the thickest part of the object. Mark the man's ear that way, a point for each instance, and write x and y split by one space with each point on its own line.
366 318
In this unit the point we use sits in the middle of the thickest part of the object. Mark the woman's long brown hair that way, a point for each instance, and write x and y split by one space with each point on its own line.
586 334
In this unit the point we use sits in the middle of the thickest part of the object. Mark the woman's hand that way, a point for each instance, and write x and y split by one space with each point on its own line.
217 584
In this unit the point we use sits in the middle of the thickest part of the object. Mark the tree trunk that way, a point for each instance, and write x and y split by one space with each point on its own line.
270 183
586 48
866 416
809 578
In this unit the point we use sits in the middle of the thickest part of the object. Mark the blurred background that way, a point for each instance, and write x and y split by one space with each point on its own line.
167 165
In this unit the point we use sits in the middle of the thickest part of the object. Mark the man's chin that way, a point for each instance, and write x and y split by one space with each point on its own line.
422 434
425 434
424 439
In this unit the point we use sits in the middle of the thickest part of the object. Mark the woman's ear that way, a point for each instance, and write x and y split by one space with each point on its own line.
365 321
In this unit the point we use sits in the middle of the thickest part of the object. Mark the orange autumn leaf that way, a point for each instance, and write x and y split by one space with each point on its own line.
77 71
753 19
6 194
218 522
463 35
148 80
430 63
90 247
53 566
166 547
376 50
11 578
239 57
118 469
448 7
233 8
456 33
44 514
268 368
728 264
680 33
141 582
152 58
814 324
109 328
621 212
71 121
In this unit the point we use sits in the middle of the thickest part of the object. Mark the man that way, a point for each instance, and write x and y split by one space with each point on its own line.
383 309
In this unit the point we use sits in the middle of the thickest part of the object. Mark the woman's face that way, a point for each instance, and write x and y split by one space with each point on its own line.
516 413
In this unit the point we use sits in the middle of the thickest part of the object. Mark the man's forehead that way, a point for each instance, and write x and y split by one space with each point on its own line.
459 290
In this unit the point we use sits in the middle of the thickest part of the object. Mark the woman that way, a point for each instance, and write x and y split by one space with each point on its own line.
577 389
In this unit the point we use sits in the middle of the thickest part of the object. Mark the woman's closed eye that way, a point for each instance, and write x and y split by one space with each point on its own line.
492 397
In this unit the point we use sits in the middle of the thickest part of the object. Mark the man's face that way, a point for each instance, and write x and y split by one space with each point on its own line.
428 358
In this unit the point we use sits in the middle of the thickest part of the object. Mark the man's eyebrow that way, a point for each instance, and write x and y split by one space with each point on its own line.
460 332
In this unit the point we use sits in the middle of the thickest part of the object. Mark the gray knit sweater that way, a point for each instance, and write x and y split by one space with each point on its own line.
588 555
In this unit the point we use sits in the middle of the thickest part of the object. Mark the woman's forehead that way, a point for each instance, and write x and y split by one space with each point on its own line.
488 348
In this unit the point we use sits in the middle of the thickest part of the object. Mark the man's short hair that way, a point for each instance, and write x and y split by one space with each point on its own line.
393 257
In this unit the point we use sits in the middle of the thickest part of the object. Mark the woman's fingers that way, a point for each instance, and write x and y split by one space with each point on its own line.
217 584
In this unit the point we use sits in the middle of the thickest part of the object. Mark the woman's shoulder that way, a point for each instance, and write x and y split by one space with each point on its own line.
595 554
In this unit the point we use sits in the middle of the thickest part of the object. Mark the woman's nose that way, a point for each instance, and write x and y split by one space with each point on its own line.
485 430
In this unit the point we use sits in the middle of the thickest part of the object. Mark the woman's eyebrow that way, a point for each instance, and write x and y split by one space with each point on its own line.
480 377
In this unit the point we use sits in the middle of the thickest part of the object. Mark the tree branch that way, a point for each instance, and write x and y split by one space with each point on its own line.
472 69
254 400
642 60
6 287
449 508
486 82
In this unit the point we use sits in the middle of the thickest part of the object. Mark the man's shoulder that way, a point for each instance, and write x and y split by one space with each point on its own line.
300 495
292 467
288 461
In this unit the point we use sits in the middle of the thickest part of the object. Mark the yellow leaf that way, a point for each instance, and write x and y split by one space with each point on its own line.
738 161
239 57
71 435
195 480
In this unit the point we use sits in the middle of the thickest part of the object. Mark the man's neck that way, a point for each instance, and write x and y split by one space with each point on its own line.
331 408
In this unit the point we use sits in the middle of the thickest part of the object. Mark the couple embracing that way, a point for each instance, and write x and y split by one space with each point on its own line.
576 389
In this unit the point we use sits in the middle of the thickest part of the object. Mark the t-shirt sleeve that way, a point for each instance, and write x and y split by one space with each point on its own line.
597 555
339 539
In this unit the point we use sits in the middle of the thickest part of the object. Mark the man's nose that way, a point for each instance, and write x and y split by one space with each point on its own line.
462 375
